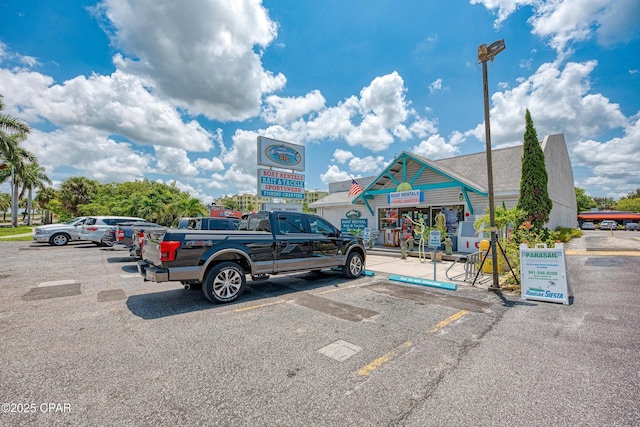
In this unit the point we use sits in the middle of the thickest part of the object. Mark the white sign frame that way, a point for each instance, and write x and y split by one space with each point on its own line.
435 239
293 156
543 274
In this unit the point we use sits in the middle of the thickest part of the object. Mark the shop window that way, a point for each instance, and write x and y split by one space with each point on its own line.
388 218
447 217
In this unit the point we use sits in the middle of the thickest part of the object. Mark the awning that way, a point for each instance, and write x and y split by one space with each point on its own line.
615 216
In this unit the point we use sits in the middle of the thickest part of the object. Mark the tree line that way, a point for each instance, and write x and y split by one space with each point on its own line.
80 196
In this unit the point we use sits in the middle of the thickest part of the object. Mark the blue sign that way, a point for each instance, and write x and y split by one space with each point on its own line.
351 225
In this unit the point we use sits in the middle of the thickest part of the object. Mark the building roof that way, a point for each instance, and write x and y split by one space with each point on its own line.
614 215
468 171
506 165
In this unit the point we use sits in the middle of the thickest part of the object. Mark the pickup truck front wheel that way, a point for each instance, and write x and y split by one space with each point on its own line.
224 282
354 266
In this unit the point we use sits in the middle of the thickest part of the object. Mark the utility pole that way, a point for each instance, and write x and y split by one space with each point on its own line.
488 53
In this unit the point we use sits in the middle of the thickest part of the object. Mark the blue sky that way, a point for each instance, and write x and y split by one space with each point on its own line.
118 90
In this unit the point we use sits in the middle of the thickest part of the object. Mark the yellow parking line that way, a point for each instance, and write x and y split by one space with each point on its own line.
449 320
366 370
252 307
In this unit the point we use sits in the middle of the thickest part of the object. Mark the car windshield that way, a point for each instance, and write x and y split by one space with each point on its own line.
71 221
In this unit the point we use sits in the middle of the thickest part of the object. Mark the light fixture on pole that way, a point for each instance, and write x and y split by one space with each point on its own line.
488 53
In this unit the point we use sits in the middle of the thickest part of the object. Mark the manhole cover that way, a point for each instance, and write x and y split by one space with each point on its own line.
340 350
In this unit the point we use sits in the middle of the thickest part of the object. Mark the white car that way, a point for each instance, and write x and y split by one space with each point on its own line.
59 234
95 226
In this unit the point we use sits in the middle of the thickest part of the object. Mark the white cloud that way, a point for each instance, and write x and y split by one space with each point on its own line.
213 164
201 54
6 55
92 153
334 174
435 85
435 147
117 104
505 7
342 156
559 101
370 121
366 164
174 161
614 163
284 110
566 22
424 127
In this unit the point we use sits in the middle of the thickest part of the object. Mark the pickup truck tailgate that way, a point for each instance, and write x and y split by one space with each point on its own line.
151 246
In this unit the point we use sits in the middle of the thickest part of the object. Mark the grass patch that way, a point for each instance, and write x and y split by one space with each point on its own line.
10 231
17 239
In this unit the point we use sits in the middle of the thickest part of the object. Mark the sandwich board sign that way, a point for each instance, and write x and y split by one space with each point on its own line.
543 273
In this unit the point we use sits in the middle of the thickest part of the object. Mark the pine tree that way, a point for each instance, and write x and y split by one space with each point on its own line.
534 196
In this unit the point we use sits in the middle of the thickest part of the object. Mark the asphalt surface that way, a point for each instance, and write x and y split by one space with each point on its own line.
86 342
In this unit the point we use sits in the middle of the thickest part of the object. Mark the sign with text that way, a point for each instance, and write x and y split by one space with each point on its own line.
544 274
366 235
287 207
413 197
351 225
279 184
434 239
280 154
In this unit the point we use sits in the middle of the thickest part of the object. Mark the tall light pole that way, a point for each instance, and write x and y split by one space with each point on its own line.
488 53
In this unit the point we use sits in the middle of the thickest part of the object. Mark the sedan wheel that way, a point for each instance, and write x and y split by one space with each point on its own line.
59 240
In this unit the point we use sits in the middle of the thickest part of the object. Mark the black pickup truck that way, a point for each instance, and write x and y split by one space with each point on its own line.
265 243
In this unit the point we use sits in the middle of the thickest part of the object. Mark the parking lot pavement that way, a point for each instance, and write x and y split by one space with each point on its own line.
85 341
81 330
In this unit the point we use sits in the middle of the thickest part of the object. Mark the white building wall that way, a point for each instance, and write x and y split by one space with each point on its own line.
561 187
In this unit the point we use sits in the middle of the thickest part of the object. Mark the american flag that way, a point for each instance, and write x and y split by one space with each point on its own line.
355 188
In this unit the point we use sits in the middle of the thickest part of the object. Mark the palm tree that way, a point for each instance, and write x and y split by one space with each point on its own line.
12 133
149 208
5 204
33 176
18 158
76 191
191 207
43 198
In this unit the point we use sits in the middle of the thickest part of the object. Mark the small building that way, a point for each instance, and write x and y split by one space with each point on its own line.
451 192
621 218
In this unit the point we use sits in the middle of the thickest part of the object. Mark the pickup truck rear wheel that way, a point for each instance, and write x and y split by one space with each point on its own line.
224 282
354 266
